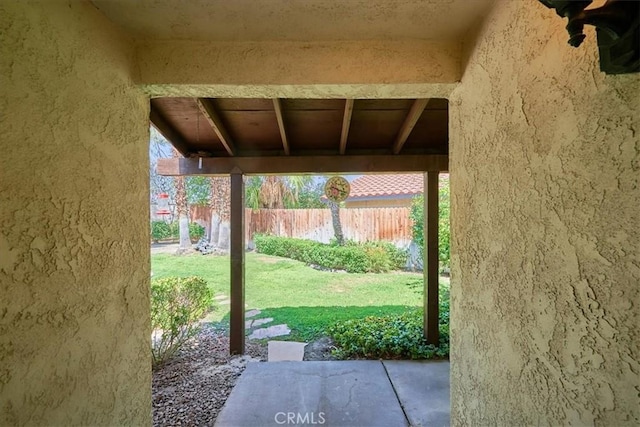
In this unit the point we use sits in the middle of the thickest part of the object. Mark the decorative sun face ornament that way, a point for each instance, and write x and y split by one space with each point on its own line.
337 189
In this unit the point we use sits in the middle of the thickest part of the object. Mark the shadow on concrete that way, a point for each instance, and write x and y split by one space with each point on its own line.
340 393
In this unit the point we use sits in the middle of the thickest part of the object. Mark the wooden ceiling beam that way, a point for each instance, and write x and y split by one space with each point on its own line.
304 164
409 123
212 116
169 132
277 106
346 124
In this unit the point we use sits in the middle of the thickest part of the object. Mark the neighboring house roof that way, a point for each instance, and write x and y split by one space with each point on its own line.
386 186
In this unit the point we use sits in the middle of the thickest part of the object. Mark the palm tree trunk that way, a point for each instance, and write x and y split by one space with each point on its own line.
183 213
337 225
182 210
221 206
215 228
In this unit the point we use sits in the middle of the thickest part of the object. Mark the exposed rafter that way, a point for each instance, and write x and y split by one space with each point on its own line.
277 106
213 118
412 118
346 123
169 132
303 164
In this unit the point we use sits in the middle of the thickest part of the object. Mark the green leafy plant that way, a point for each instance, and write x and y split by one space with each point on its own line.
177 304
160 230
376 257
392 336
196 231
444 231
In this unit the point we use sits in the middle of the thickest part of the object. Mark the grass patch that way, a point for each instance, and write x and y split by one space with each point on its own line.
290 292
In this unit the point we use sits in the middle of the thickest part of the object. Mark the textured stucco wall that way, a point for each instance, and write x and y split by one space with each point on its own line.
74 256
313 69
546 226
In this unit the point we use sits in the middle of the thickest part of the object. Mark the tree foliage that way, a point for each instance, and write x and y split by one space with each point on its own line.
198 190
282 192
159 148
444 229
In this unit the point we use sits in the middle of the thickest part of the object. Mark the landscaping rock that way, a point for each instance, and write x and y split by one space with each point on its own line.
251 313
271 331
205 248
192 388
320 350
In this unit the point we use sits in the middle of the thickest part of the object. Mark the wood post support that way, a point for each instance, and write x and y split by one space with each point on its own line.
236 329
431 259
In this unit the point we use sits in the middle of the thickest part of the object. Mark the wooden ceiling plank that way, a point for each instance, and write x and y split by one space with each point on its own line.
210 113
277 106
412 118
287 165
346 124
169 132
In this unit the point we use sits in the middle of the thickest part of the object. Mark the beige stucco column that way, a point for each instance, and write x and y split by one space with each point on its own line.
74 220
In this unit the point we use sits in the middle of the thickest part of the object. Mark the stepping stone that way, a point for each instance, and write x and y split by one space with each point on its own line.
285 350
271 331
227 301
220 297
247 324
251 313
259 322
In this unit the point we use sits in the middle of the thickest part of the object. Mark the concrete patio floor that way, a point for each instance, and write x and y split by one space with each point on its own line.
340 393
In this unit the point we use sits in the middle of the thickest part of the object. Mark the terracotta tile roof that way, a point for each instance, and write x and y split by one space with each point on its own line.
386 185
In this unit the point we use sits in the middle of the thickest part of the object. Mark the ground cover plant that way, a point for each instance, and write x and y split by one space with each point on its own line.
306 299
393 335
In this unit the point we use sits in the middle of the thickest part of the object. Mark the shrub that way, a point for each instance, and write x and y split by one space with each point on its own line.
444 230
160 230
353 257
392 336
397 257
177 304
196 231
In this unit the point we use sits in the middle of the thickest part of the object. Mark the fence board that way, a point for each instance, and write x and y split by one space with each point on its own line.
359 224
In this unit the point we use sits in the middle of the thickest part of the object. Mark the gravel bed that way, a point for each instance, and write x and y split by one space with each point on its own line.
191 389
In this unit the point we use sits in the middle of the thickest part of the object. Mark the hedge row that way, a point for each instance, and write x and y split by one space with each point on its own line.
370 257
161 230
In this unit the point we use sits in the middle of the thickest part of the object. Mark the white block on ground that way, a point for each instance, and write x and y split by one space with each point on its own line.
259 322
251 313
271 331
285 350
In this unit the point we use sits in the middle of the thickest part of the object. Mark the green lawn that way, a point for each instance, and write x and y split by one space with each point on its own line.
304 298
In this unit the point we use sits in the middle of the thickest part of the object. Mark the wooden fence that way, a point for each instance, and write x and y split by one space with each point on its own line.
363 224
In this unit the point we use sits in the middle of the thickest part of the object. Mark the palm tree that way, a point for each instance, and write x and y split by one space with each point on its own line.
274 192
335 219
221 211
182 210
